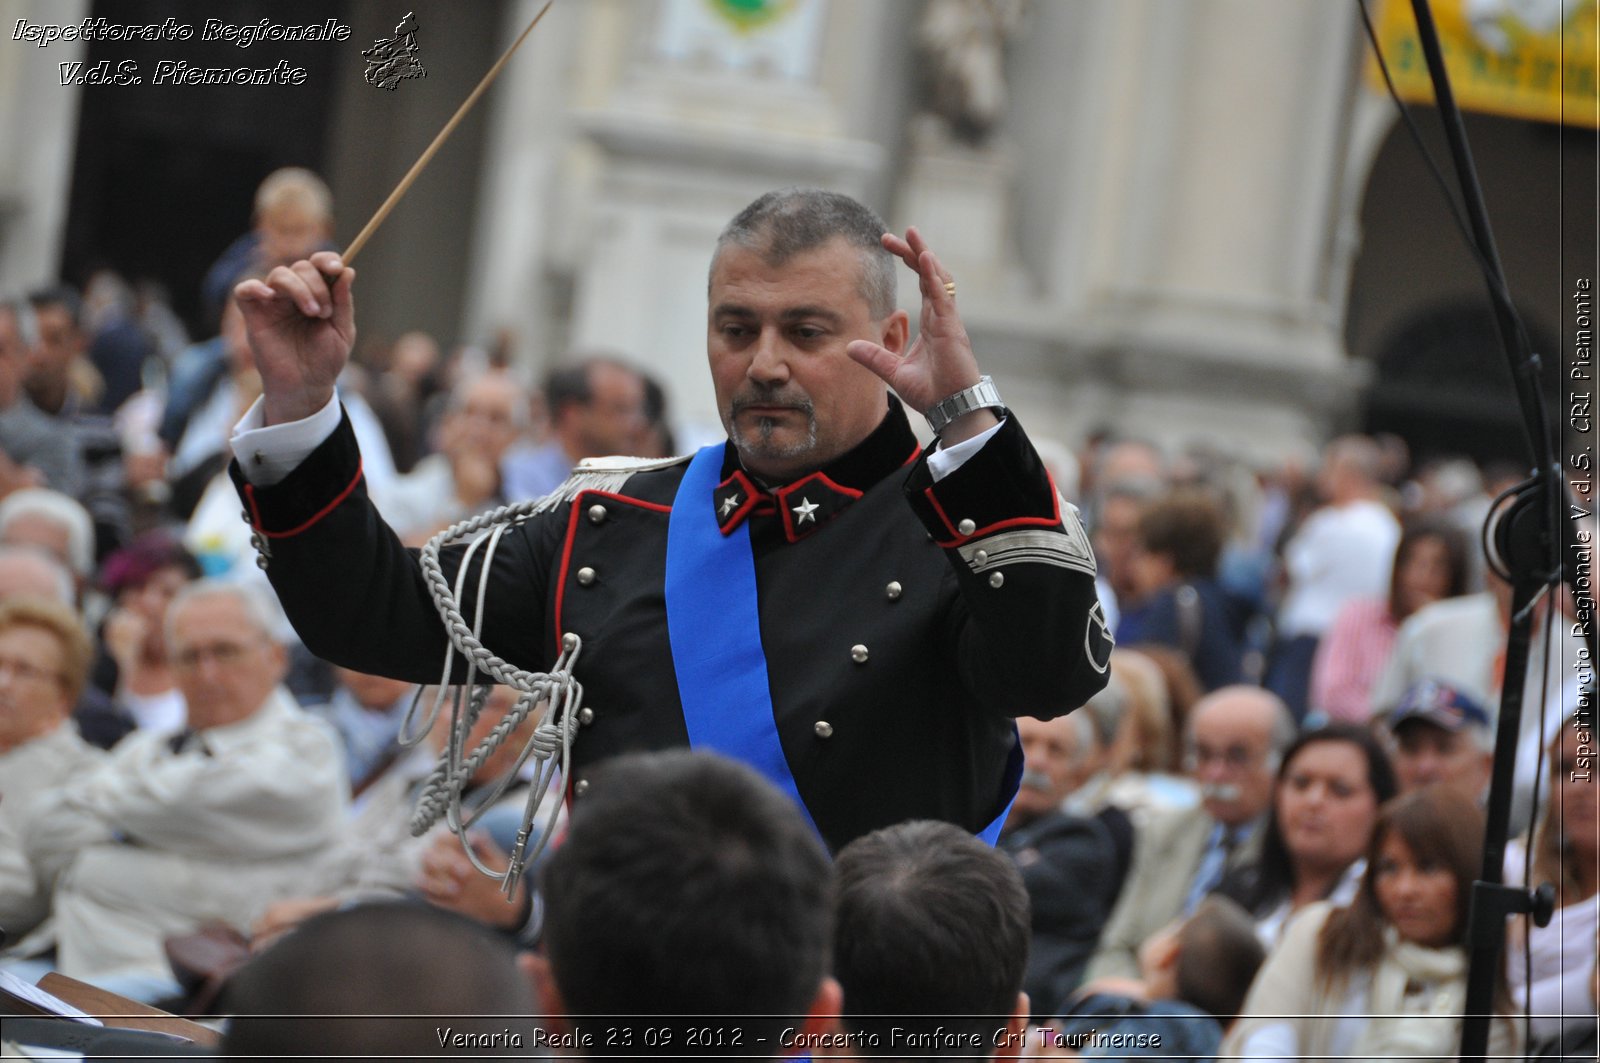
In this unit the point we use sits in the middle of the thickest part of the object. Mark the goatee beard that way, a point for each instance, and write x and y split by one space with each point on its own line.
760 444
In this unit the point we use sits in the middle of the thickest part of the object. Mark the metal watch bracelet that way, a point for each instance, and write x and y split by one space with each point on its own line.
981 396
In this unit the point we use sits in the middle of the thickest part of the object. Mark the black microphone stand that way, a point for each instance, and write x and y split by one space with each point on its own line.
1528 537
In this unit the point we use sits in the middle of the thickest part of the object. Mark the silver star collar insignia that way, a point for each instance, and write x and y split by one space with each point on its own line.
730 504
805 511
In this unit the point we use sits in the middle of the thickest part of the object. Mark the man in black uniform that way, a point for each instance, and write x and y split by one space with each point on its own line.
857 620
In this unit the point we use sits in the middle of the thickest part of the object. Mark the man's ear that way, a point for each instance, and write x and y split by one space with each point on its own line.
1164 953
546 994
823 1018
897 331
1017 1025
280 658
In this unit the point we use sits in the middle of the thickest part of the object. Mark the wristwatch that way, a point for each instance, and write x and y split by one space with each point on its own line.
981 396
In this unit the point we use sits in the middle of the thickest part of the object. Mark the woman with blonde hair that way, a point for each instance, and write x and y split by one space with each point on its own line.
1384 977
1138 775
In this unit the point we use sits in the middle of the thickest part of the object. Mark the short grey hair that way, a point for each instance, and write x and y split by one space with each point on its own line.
295 186
59 509
792 221
263 613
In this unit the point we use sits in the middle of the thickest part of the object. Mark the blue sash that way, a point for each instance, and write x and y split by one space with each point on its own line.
714 629
1009 787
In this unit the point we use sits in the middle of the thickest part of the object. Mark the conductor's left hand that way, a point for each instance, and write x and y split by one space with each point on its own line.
940 361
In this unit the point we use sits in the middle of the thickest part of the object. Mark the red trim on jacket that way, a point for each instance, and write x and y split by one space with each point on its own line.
255 511
561 572
657 507
785 512
1053 521
786 490
578 506
755 497
927 492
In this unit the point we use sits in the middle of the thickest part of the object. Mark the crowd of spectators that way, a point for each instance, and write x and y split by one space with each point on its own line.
1286 771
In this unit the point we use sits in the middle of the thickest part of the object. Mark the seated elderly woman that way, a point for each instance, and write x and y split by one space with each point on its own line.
1566 852
44 653
1386 976
1138 769
1324 806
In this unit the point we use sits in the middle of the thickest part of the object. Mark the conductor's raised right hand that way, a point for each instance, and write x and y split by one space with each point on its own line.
301 324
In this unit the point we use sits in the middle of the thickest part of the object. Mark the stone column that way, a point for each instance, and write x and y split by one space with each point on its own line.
1179 205
521 187
38 123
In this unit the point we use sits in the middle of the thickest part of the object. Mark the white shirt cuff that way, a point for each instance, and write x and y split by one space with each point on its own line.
268 453
946 460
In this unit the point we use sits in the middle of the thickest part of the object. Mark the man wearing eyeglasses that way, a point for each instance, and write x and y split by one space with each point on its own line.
44 658
1233 742
212 822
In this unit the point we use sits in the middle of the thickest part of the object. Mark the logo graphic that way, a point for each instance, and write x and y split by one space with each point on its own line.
747 16
392 60
1097 640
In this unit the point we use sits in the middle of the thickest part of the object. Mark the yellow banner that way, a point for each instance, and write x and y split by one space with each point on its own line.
1511 57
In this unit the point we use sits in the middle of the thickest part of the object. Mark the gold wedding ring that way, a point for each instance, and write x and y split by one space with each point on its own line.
950 288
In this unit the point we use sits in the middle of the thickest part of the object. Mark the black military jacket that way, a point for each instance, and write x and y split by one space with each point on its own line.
904 622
